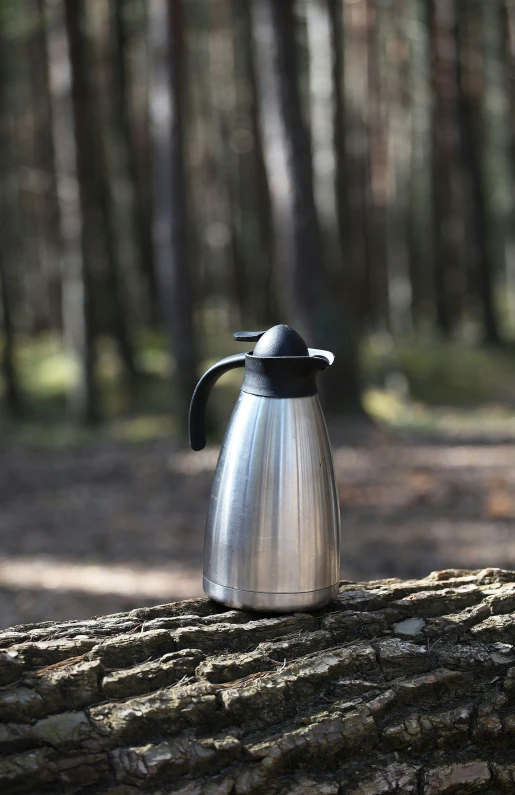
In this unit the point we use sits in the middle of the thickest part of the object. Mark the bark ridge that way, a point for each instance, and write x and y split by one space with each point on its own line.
397 687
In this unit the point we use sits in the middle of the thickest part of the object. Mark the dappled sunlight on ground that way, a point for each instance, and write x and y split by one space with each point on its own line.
407 509
111 526
130 581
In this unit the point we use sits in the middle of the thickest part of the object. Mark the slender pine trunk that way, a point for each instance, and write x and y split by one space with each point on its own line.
446 175
264 202
318 312
13 396
469 110
141 208
336 37
78 296
420 238
12 391
254 185
357 139
114 190
170 200
45 154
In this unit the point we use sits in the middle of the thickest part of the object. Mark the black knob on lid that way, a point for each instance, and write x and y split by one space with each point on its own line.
281 340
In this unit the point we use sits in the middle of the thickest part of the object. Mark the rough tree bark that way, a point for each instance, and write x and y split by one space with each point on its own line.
405 687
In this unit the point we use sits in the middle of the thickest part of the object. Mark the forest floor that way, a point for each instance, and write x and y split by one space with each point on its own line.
113 525
99 521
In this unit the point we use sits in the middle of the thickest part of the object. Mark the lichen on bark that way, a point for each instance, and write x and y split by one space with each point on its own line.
396 687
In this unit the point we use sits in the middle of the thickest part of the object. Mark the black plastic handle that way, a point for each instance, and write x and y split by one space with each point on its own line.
197 418
247 336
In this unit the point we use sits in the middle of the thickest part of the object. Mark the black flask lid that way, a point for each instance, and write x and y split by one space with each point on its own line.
281 364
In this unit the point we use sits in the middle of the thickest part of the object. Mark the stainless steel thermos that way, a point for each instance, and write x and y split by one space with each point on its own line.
272 534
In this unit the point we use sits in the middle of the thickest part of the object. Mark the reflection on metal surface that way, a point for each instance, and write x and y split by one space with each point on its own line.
270 602
273 522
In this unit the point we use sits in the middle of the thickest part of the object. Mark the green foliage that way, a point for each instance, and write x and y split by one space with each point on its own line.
443 373
135 412
419 386
17 20
447 388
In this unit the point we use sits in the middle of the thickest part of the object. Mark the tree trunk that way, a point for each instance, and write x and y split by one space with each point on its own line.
7 366
497 154
261 206
305 280
445 155
405 687
378 171
140 200
325 98
357 145
7 363
45 157
472 142
336 36
318 312
420 238
170 214
24 114
80 232
395 49
222 113
115 191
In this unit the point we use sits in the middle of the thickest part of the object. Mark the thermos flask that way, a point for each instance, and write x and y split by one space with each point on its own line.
272 533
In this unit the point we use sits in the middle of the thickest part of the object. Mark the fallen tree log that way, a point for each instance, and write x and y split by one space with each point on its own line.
402 687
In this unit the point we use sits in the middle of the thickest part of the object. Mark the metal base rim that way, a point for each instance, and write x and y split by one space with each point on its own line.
269 602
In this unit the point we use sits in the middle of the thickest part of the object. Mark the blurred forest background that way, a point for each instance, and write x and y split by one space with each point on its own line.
175 170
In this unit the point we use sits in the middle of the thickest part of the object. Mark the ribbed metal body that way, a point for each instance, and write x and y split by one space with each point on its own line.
272 535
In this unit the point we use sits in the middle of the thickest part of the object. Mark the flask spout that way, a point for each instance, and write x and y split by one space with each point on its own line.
317 353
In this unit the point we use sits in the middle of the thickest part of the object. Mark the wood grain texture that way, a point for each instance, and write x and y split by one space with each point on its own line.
398 687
